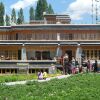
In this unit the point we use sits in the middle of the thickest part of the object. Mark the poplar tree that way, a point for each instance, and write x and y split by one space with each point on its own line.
2 12
38 11
44 6
13 15
50 9
20 19
7 20
41 7
31 14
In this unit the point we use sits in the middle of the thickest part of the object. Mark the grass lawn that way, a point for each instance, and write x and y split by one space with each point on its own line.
77 87
20 77
16 77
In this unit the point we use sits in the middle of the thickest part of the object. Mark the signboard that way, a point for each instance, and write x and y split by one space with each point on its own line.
52 70
22 64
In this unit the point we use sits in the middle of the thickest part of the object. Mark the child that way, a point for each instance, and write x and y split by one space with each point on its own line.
40 75
44 75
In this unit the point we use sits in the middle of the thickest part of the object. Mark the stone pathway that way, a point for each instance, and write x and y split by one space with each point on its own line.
24 82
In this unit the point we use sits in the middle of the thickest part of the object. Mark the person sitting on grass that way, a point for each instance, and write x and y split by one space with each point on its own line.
44 75
40 75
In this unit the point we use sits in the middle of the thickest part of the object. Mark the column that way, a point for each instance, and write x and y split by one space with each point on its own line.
23 53
45 21
58 36
52 54
58 51
78 54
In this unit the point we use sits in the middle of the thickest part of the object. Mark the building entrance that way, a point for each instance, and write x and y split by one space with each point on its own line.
42 55
69 52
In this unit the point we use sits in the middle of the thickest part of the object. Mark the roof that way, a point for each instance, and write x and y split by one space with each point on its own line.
52 27
58 27
56 15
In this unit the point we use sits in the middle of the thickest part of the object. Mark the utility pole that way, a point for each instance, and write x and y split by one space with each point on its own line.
96 9
92 12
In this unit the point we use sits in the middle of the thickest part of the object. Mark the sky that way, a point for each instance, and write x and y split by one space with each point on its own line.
80 11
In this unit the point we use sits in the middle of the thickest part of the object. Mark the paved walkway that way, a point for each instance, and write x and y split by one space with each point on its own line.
24 82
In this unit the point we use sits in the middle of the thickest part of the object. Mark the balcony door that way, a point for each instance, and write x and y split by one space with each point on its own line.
69 52
42 55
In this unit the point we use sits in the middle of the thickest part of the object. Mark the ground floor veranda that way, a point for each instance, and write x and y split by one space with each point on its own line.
48 52
14 58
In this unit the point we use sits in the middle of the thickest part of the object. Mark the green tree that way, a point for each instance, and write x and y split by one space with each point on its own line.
50 9
13 15
41 7
44 6
31 13
20 19
7 20
38 10
2 12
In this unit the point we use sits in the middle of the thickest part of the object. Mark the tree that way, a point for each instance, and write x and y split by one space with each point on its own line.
41 7
2 12
20 19
7 20
50 9
38 11
44 6
13 15
31 13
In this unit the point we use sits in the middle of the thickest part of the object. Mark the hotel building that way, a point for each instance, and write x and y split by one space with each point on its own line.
35 46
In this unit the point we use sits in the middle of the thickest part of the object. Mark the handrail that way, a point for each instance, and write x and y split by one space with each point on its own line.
27 61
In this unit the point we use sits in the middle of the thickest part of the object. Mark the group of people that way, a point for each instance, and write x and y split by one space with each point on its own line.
92 66
42 75
72 67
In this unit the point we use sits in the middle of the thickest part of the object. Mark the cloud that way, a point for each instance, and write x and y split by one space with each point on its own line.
79 8
23 4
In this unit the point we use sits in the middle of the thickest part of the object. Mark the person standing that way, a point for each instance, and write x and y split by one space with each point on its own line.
73 65
65 63
88 66
95 65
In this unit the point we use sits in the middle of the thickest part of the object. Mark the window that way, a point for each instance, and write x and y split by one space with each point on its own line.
70 37
92 54
42 55
8 54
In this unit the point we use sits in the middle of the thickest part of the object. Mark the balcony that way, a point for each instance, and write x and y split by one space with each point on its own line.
17 64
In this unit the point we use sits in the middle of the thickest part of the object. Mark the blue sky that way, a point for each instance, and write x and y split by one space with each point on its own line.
79 10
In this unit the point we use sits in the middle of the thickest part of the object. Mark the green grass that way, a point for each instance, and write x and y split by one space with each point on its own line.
20 77
78 87
17 77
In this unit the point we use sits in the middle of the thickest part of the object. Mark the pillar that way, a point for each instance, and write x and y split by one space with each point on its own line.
78 54
1 71
58 36
59 51
23 53
52 54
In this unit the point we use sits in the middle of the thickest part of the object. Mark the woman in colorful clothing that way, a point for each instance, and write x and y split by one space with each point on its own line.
66 64
73 65
40 75
88 66
44 75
